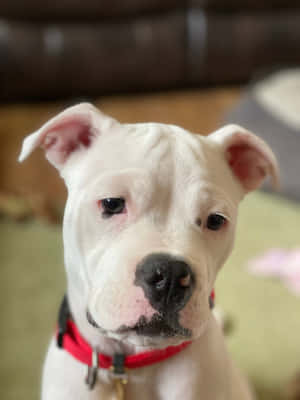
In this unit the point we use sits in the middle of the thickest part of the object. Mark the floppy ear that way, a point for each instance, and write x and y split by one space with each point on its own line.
249 157
69 132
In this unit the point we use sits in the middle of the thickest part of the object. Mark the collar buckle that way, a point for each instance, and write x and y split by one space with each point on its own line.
117 368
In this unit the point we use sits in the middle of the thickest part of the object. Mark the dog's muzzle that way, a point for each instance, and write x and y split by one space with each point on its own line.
168 283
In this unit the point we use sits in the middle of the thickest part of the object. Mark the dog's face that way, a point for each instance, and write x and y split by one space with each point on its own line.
150 217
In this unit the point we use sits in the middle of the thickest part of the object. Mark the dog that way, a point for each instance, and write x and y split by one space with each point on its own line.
149 221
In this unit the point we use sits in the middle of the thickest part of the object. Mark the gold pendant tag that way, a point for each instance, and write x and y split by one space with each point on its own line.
119 375
119 384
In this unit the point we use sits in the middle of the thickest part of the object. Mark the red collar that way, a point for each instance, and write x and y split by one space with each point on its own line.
74 344
69 338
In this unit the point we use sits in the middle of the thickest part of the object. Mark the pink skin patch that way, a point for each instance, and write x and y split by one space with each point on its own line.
279 263
124 311
140 308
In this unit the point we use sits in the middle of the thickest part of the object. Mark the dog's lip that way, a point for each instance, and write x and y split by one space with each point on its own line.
91 320
156 326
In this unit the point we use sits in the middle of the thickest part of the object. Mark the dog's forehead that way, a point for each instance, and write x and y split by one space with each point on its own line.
145 142
165 151
189 157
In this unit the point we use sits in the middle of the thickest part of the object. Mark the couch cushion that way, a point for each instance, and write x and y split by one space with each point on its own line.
88 9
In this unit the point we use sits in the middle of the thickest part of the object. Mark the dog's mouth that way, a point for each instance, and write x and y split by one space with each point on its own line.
158 325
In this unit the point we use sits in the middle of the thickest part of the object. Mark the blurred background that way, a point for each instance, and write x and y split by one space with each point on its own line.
196 63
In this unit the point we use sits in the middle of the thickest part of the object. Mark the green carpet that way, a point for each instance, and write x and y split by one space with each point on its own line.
265 341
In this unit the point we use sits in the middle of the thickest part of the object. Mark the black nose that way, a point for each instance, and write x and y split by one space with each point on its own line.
168 282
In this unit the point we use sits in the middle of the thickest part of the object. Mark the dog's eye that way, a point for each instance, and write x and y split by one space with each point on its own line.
112 205
215 222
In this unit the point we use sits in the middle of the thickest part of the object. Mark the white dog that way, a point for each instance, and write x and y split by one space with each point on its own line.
149 221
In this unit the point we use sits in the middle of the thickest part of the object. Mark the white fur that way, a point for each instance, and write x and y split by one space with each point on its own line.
169 178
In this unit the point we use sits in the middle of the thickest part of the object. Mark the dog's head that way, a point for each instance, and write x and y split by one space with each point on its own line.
150 217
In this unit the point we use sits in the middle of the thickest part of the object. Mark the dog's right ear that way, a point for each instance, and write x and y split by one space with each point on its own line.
71 131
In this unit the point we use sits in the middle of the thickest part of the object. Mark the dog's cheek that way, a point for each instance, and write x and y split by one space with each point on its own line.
195 314
116 307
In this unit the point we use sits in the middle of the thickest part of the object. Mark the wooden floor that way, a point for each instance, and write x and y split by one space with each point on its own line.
37 182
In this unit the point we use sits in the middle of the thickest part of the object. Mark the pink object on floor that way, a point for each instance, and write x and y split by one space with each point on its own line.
280 263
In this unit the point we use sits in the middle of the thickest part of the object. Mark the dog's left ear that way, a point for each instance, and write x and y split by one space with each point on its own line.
249 157
70 132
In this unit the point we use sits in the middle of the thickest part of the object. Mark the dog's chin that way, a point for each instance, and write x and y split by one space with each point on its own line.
157 332
132 339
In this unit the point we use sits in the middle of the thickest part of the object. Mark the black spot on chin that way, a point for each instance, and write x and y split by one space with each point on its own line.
158 325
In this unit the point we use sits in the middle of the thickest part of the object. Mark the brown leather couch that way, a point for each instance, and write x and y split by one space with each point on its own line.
86 48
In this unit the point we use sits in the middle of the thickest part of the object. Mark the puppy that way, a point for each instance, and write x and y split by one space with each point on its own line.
149 221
